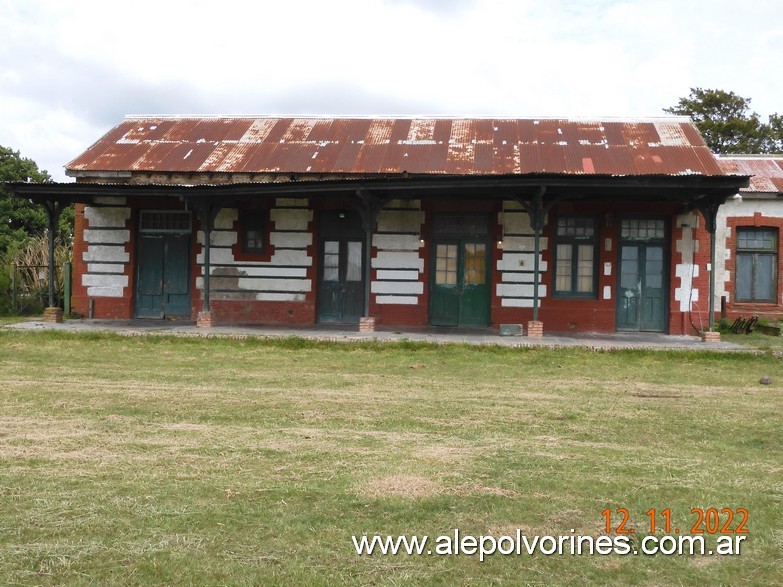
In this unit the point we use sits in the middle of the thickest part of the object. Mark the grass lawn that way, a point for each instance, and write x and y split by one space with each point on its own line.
163 460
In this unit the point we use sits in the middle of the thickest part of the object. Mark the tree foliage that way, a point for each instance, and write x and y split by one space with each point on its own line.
21 220
23 238
727 123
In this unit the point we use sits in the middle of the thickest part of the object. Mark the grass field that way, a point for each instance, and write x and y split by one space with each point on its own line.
162 460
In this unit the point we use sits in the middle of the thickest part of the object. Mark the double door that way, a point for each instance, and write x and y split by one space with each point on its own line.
341 270
163 284
341 285
460 290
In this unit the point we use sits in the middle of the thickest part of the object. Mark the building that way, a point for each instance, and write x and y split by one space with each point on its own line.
578 225
749 280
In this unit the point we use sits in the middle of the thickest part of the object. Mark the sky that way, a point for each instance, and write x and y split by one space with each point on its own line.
71 70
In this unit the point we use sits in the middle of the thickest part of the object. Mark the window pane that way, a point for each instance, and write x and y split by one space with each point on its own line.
353 270
475 263
585 272
744 278
564 268
765 278
576 227
642 228
629 268
757 239
446 265
331 261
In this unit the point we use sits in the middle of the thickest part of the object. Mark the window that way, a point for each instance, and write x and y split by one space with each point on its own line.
252 231
576 256
757 265
173 221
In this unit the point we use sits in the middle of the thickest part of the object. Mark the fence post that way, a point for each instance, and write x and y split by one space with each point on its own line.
67 287
12 271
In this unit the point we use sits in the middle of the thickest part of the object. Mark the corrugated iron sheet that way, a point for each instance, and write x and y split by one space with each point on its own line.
362 146
766 171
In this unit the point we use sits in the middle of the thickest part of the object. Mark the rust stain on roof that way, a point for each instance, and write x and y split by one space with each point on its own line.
766 171
431 146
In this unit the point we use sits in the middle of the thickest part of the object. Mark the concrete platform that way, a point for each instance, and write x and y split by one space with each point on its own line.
346 333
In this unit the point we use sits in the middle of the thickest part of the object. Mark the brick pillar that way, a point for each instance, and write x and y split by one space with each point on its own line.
709 336
535 329
205 320
367 324
53 315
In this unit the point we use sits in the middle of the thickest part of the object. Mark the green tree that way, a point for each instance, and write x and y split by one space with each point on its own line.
20 219
727 123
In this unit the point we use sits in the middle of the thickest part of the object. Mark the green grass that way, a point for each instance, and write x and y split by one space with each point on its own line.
164 460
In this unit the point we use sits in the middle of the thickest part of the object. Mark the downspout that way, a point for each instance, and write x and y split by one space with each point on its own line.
709 210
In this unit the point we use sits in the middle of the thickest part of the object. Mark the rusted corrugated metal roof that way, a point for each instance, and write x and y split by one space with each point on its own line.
371 146
766 171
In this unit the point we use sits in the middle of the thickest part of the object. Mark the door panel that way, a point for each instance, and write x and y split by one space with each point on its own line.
653 294
444 295
149 290
353 285
176 299
474 304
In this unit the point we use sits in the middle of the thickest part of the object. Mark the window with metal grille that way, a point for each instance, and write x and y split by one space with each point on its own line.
175 221
756 265
576 257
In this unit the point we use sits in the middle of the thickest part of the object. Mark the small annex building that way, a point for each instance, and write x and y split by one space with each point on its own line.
571 225
749 282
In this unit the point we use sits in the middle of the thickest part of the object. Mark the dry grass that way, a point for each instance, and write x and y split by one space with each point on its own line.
167 461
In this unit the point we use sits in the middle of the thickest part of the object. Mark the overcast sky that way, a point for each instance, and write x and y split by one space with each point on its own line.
71 69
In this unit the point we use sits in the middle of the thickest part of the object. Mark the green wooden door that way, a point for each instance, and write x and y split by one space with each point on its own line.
642 292
341 283
459 290
176 275
163 284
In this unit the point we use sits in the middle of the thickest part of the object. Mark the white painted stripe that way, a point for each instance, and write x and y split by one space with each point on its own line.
392 274
401 300
397 260
108 253
397 242
397 287
105 268
111 237
107 217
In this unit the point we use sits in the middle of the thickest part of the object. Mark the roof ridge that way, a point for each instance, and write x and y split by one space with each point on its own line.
408 117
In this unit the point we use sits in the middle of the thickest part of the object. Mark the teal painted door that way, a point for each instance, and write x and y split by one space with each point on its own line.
341 283
641 300
459 290
163 284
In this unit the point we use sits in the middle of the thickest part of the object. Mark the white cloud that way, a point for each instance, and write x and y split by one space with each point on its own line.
70 70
